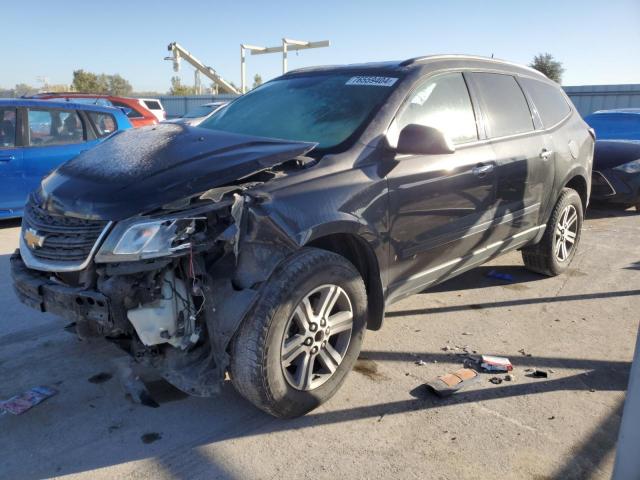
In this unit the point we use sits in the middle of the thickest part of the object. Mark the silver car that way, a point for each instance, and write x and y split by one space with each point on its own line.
199 114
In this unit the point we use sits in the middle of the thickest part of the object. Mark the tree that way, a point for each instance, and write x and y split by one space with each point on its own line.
119 86
178 89
22 89
545 63
257 80
85 82
89 82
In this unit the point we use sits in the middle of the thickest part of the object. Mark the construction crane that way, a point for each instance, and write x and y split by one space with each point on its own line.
178 52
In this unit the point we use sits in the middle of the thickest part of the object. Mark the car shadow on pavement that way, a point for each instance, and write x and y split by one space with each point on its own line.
10 223
480 277
597 211
513 302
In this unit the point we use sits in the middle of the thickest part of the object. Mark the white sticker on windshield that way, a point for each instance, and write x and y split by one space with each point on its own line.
372 81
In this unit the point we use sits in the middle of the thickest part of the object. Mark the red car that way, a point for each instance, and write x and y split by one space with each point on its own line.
138 114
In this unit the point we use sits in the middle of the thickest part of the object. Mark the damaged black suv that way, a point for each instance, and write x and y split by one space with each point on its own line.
265 242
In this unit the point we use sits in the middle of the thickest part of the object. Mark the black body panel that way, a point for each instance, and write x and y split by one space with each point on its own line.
142 169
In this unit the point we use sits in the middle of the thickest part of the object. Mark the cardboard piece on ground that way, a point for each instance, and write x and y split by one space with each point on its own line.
446 385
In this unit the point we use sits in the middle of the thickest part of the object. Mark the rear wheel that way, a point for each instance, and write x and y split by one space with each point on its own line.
554 253
295 349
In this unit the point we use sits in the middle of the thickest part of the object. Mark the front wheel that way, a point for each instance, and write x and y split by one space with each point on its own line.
294 350
554 253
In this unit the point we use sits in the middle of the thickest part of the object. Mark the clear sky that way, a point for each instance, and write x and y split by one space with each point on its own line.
597 41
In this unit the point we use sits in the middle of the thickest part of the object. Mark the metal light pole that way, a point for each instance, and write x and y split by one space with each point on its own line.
287 46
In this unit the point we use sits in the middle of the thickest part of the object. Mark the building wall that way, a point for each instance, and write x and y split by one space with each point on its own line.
586 98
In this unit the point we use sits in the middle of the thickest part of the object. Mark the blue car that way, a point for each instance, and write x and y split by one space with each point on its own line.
37 136
621 124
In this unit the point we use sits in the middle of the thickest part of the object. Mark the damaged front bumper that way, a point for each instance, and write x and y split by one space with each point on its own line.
38 290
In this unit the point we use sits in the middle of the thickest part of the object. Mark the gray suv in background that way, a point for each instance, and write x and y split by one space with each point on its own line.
264 242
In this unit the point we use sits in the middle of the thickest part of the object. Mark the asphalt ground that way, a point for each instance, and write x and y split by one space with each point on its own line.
579 327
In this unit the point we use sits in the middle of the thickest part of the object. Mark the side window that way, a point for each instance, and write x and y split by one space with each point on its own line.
549 100
105 123
441 102
131 112
504 104
54 127
7 127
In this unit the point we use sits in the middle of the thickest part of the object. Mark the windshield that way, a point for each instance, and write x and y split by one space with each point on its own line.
200 111
326 108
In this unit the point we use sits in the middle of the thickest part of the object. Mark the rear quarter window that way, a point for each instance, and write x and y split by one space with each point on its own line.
504 104
549 101
152 105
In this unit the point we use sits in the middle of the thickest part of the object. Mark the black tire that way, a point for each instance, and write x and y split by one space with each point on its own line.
255 367
638 207
541 257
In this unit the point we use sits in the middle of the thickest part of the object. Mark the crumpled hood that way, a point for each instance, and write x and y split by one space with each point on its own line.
611 153
141 169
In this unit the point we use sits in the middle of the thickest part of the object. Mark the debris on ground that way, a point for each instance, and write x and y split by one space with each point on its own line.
507 277
132 384
23 402
467 333
420 362
510 377
489 363
446 385
523 352
495 380
538 374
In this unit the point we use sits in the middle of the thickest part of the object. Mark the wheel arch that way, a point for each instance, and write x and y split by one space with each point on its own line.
360 253
578 183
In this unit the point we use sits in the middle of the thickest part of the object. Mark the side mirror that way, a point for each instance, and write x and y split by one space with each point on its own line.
423 140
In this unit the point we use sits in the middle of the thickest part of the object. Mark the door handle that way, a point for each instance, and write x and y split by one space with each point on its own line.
545 154
7 158
482 170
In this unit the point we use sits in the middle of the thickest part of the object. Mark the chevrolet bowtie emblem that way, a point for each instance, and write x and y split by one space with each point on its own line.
33 239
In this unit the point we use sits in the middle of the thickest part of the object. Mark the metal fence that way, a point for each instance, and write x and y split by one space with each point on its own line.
589 98
586 98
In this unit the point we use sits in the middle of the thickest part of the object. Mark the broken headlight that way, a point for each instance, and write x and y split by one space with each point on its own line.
631 167
142 239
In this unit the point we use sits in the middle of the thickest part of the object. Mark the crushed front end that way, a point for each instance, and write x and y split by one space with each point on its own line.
144 283
171 284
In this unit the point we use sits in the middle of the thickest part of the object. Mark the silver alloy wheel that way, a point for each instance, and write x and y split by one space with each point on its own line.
565 234
316 337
